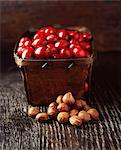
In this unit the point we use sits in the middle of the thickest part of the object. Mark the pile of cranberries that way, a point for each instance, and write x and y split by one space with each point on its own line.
49 42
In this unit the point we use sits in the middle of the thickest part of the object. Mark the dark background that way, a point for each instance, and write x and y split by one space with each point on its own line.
103 18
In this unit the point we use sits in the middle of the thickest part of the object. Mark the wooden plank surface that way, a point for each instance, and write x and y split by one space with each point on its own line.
19 132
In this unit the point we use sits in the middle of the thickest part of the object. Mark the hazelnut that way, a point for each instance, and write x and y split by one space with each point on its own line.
75 120
83 102
73 112
53 104
68 98
42 117
59 99
52 112
63 107
86 107
93 113
33 111
63 117
78 104
84 116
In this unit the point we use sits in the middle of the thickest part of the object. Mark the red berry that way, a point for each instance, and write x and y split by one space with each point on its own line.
63 34
52 38
73 41
56 56
19 51
25 41
65 53
52 48
87 36
86 87
61 44
27 52
85 46
79 52
47 53
40 52
74 34
38 42
37 36
49 30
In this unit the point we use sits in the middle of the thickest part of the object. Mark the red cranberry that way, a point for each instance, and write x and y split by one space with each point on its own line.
85 45
27 52
65 53
63 34
86 87
74 34
73 41
61 44
79 52
38 42
56 56
19 51
49 30
52 48
87 36
47 53
52 38
37 36
41 31
40 52
25 42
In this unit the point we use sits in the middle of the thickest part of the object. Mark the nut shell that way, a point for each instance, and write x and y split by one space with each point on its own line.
42 117
73 112
68 98
93 113
78 104
83 102
84 116
53 104
33 111
63 107
63 117
75 120
86 107
52 112
59 99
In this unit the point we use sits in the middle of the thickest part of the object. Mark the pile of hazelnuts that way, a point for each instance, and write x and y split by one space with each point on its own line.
66 109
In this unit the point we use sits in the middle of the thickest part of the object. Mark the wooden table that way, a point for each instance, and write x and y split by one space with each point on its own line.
19 132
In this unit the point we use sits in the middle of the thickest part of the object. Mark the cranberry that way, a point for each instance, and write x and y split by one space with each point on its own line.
47 53
56 56
52 38
19 51
38 42
40 52
37 36
74 34
79 52
27 52
25 41
87 36
85 45
86 87
65 53
49 30
42 30
61 44
52 48
73 41
63 34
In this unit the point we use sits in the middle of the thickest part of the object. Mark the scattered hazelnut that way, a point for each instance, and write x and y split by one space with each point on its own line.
86 107
75 120
52 112
78 104
63 107
33 111
63 117
73 112
93 113
83 102
59 99
42 117
84 116
68 98
53 104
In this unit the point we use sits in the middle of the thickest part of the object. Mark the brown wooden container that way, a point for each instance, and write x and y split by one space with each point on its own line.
44 79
